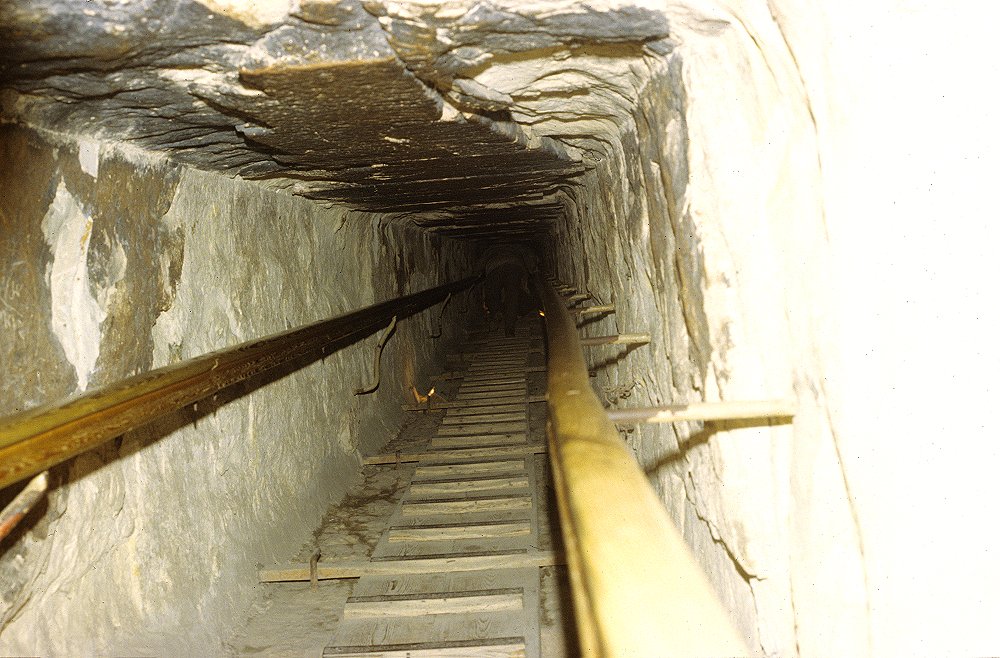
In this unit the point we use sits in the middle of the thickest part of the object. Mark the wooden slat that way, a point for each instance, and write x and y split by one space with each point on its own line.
493 380
477 440
358 568
379 632
470 505
494 648
469 429
442 604
486 408
464 486
453 419
460 453
460 531
463 404
492 395
493 387
467 469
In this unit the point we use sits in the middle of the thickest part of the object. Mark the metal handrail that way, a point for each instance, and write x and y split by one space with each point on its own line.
637 589
37 439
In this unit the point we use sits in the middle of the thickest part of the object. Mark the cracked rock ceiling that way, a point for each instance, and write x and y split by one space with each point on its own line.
468 118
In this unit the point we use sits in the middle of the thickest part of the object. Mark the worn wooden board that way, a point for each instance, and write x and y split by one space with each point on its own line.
496 648
483 504
446 532
460 453
512 416
474 602
493 387
469 469
486 408
492 395
476 441
470 485
469 429
358 568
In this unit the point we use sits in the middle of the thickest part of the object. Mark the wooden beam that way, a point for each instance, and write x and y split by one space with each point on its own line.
637 589
705 411
459 453
341 569
619 339
34 440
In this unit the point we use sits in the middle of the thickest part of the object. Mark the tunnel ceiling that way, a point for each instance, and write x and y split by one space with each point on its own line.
466 117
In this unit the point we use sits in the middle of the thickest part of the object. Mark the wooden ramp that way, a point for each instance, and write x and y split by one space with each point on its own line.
456 570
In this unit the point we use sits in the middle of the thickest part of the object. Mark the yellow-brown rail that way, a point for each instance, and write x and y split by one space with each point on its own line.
39 438
637 589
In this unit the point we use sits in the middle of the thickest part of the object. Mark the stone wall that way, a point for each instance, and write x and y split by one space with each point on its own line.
114 262
783 209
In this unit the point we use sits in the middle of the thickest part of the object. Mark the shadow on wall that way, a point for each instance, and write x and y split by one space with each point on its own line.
702 437
118 448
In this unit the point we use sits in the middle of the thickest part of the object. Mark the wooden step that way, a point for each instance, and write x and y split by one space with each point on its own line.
466 469
513 416
492 395
493 648
516 385
444 532
487 408
437 455
434 487
441 603
479 504
471 429
429 631
357 568
477 440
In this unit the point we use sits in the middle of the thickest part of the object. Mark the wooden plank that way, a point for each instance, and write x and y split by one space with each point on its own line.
357 568
487 408
475 378
471 429
462 404
496 369
500 355
519 389
498 395
469 505
467 469
493 380
477 440
434 487
460 531
452 419
425 583
378 632
459 453
462 374
493 648
531 585
442 604
705 411
515 385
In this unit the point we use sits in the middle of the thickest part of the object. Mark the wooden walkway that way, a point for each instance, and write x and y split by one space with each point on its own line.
455 569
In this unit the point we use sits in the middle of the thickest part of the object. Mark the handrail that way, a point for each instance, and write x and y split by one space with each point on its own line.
637 589
36 439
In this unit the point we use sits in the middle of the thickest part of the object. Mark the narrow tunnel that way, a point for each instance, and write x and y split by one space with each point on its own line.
184 176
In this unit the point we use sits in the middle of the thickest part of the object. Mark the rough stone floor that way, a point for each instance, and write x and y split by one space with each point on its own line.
450 543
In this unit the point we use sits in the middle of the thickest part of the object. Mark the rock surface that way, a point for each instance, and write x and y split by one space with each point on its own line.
762 186
128 557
